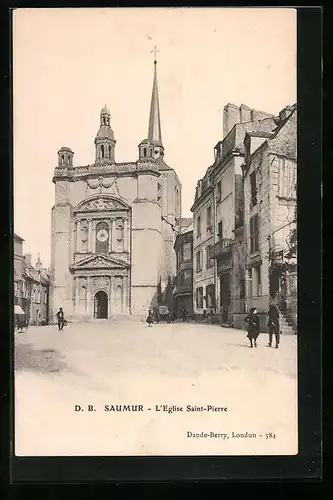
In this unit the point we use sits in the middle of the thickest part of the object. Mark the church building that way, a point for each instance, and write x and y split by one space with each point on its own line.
114 226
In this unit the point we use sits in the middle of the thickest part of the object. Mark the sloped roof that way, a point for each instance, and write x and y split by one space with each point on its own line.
284 141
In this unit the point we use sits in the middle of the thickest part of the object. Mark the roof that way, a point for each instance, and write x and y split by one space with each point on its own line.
17 237
163 165
65 148
105 111
284 142
105 132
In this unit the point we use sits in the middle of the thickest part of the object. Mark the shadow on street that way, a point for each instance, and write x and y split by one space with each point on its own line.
37 360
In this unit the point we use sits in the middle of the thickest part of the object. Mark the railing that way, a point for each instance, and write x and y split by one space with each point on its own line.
222 247
183 288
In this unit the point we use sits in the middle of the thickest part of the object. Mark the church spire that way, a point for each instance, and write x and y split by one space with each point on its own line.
154 129
152 147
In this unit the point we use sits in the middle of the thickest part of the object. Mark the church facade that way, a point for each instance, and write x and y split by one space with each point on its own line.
114 227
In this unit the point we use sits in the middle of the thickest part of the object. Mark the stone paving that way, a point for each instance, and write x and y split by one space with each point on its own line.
108 363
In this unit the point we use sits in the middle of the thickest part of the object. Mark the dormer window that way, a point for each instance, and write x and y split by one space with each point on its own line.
102 151
144 152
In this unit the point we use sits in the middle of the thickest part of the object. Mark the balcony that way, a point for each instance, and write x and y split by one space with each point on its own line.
183 288
221 249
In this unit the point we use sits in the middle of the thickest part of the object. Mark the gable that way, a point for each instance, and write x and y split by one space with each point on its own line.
100 262
101 203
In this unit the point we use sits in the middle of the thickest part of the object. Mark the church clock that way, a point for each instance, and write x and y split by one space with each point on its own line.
102 235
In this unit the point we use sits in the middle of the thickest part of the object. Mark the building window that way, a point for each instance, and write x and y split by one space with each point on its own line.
199 297
258 270
187 251
209 261
15 289
198 261
254 234
210 295
209 218
109 151
220 230
144 151
198 226
287 179
253 181
102 151
219 191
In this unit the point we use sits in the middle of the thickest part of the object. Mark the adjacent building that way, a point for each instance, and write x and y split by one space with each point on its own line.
269 177
31 286
18 269
232 253
183 287
114 227
218 220
36 287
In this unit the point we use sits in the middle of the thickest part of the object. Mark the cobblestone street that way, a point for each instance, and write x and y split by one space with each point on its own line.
127 363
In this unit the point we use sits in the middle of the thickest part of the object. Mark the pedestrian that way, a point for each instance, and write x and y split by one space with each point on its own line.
150 318
174 316
273 325
61 319
253 326
184 314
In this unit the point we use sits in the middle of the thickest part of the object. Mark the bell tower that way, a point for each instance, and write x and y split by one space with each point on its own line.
152 147
105 141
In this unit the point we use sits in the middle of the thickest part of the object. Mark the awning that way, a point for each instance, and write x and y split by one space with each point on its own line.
18 310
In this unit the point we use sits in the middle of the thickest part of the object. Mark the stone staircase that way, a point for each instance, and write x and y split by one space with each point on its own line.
286 325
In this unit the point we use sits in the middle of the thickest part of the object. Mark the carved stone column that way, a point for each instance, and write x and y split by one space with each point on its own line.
76 279
88 295
110 235
114 236
125 233
90 239
77 245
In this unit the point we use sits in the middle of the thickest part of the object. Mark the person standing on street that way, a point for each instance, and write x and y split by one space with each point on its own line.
150 318
273 325
184 314
253 326
61 319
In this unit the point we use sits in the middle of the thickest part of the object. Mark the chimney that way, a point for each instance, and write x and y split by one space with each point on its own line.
27 259
39 265
231 116
285 112
245 113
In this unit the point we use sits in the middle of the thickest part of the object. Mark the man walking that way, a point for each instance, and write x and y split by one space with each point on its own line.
273 325
60 318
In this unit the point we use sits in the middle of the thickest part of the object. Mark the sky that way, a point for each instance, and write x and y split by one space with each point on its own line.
68 63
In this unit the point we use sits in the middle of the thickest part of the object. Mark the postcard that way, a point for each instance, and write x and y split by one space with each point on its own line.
155 245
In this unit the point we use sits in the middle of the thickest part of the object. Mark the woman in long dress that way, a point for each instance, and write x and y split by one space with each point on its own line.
150 318
253 326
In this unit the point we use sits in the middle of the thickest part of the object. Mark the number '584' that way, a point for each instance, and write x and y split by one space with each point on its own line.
270 435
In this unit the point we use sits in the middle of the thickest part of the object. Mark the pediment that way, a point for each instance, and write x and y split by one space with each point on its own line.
100 262
101 203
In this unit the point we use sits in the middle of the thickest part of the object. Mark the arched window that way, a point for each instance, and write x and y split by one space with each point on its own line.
102 151
109 151
144 151
102 238
62 159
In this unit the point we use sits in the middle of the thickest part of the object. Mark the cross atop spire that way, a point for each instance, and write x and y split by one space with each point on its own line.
154 129
155 50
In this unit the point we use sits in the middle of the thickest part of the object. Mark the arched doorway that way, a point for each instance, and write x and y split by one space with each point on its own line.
101 305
